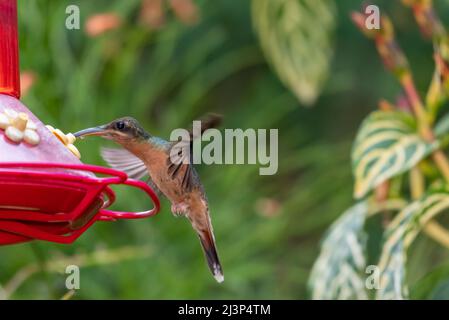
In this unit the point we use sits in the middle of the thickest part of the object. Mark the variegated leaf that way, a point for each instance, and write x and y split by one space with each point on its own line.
442 126
295 36
399 235
387 144
337 273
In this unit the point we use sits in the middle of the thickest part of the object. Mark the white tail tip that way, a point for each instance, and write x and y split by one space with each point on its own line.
219 277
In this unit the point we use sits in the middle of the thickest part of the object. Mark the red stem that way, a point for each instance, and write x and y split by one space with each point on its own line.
9 49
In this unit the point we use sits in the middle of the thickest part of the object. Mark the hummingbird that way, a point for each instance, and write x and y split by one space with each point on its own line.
143 154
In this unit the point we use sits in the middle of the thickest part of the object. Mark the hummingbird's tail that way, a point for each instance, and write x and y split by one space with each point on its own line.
210 251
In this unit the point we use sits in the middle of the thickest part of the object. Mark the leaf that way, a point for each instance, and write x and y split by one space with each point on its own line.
442 127
337 273
426 287
441 292
399 235
435 97
295 36
387 144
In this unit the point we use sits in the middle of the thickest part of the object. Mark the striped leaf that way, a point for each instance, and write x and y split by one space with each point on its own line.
442 127
295 36
387 144
399 235
338 271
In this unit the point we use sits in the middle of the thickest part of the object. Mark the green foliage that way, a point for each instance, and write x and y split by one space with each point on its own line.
298 50
169 76
386 145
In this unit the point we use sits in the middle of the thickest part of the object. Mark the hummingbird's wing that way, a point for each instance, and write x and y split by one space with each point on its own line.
182 165
123 160
210 120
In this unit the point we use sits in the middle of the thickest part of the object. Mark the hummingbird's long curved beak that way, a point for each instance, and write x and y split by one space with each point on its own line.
94 131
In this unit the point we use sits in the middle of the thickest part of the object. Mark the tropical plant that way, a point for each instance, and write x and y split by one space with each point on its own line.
399 166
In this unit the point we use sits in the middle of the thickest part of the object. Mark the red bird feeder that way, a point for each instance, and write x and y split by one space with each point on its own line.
46 193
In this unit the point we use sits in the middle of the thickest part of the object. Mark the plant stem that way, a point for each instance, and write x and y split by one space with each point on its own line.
423 123
442 163
95 258
68 295
381 195
387 205
435 231
408 84
417 183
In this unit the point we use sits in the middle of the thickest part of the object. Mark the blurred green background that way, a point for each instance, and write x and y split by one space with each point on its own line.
268 228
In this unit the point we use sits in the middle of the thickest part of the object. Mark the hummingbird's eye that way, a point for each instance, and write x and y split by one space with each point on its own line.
120 125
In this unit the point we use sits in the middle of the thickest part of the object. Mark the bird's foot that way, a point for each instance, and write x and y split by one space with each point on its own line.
179 209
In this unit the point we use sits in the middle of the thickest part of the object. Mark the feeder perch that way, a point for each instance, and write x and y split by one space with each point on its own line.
46 192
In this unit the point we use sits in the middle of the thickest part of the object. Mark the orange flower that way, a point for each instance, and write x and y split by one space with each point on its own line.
185 10
152 13
268 207
103 22
27 79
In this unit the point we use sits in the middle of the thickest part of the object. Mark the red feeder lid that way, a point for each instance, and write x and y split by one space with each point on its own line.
46 192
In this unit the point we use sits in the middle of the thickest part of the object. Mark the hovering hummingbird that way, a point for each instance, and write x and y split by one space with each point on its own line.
144 154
